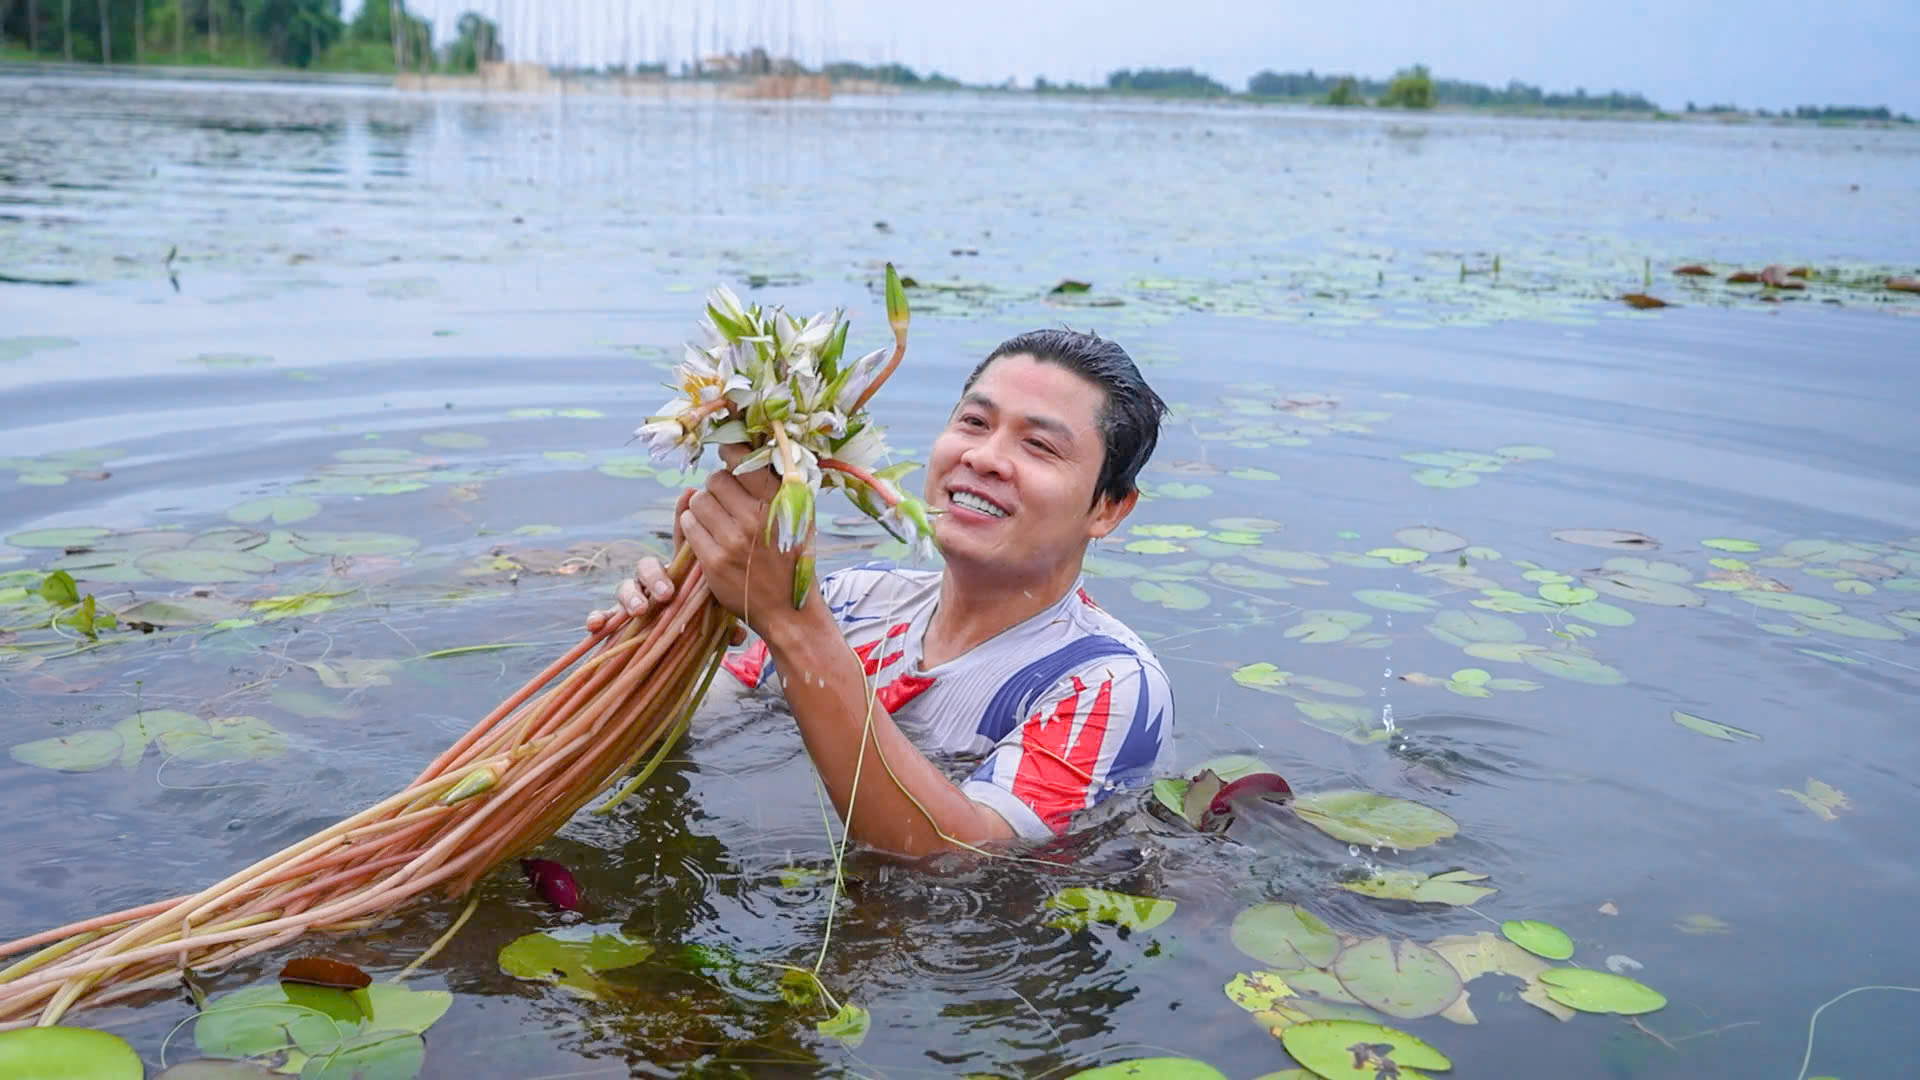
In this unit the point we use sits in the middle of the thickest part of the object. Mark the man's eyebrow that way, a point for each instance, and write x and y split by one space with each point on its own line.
1045 423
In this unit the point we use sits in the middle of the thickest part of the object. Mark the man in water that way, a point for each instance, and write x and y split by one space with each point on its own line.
999 653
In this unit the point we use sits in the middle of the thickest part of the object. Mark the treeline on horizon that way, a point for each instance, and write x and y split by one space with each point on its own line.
384 36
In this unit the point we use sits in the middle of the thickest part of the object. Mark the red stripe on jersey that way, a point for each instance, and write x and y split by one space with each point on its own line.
865 653
897 693
749 664
1085 599
1052 779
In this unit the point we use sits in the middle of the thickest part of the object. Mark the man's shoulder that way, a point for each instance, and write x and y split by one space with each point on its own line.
1091 621
858 592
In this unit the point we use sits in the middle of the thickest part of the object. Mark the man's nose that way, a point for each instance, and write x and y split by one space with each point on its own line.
988 457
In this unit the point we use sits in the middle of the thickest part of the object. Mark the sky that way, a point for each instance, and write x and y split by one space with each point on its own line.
1753 53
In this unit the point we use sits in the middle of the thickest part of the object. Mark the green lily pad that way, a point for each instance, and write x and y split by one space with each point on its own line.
573 962
1600 613
1365 817
1354 723
1569 595
1430 540
1524 452
1538 938
1574 667
1452 887
201 566
1317 633
1711 729
1398 556
1171 594
57 538
353 543
141 728
1402 979
1657 569
1247 577
1601 992
849 1025
1445 478
455 440
1826 551
1169 532
1155 547
266 1019
1908 618
1607 538
1390 600
1461 627
1247 524
1326 1047
1726 544
1287 560
1851 626
1181 490
1284 936
1257 991
189 610
1794 603
226 739
1513 603
284 510
219 1069
1084 906
1644 590
371 1055
1156 1068
82 751
66 1053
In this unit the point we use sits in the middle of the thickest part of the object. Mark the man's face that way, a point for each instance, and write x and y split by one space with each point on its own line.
1014 471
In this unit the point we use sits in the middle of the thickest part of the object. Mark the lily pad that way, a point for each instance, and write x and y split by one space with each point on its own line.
1851 626
850 1025
574 962
1601 991
141 728
284 510
1461 627
1257 991
1568 595
1084 906
1398 556
1156 1068
1607 538
1364 817
66 1053
1574 667
1475 955
353 543
1431 540
1445 478
455 440
1451 887
1171 594
1247 577
1343 1049
1402 979
1155 547
57 538
226 738
203 566
1390 600
1538 938
1711 729
82 751
1284 936
1644 590
1287 560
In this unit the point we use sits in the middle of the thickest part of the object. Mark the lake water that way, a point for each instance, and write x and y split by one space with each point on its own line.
422 328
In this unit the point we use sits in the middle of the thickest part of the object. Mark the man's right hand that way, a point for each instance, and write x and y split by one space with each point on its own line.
649 586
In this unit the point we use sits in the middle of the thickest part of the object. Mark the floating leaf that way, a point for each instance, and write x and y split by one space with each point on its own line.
572 964
1826 551
1449 888
82 751
1287 560
1906 618
455 440
1568 595
284 510
1445 478
1725 544
1430 540
1710 728
1524 452
1353 723
1364 817
1475 955
1398 556
1317 633
1851 626
1180 490
66 1053
202 566
1155 547
1084 906
57 538
1600 613
1403 979
1171 594
372 1055
353 543
1700 923
1462 627
1821 798
849 1025
1601 991
261 1020
1284 936
218 1069
1645 590
1574 667
141 728
1538 938
1257 991
1390 600
1169 532
1246 577
324 971
1157 1068
1342 1049
1607 538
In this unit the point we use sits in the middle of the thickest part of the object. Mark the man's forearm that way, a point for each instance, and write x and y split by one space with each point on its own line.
834 707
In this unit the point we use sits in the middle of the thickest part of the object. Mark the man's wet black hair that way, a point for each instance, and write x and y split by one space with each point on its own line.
1129 419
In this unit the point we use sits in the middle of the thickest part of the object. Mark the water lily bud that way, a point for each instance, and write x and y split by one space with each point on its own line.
477 782
896 302
791 513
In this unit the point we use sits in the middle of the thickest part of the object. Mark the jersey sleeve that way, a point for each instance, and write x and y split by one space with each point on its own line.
1094 732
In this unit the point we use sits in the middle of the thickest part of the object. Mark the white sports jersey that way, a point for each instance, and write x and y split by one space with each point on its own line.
1068 706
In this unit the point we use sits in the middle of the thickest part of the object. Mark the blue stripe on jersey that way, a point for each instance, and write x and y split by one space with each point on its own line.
1133 762
1017 694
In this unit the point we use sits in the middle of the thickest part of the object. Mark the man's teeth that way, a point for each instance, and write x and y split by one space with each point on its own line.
974 502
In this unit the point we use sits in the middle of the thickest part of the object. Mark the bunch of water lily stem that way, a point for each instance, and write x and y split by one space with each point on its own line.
759 377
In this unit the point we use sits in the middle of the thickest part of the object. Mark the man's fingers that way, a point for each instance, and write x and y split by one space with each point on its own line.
653 579
734 453
630 598
680 507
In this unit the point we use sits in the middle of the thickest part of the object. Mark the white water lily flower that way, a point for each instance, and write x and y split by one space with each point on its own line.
865 450
861 376
759 459
818 330
723 298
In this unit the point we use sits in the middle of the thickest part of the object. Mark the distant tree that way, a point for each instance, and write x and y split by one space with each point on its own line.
1174 81
478 42
1344 92
295 32
1411 88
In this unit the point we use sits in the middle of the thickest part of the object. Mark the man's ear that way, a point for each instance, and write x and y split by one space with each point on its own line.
1109 512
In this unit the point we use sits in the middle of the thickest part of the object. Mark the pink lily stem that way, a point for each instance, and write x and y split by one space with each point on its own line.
884 491
899 350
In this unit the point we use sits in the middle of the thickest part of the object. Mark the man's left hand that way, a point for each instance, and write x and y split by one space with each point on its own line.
725 523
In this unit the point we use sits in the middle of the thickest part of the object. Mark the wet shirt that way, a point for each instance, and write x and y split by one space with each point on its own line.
1067 707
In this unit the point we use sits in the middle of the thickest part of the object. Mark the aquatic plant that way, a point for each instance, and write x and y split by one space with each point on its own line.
761 378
